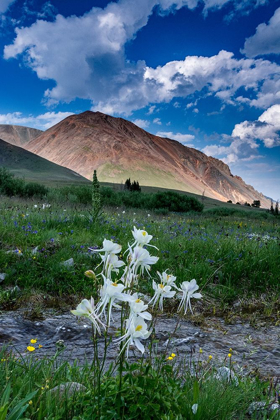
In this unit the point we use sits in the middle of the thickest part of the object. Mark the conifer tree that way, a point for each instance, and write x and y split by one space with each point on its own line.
96 198
271 207
276 211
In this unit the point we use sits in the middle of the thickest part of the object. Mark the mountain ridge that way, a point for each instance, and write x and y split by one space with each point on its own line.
119 149
18 134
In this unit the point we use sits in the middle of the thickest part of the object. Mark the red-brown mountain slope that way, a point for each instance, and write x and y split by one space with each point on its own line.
119 149
18 135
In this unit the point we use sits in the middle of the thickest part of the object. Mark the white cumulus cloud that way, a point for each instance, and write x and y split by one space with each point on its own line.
85 56
182 138
141 123
41 122
222 75
246 137
266 40
266 128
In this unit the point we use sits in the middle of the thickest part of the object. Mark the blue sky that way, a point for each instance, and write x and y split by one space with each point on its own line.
203 72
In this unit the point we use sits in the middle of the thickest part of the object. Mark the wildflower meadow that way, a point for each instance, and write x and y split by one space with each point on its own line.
121 271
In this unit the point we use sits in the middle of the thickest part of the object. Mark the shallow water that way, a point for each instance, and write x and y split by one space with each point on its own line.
252 348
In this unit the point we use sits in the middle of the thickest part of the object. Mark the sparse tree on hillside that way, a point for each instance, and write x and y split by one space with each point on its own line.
276 211
203 197
256 203
271 207
127 184
134 186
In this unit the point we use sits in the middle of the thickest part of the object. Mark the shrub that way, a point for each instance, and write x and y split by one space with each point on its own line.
32 189
175 202
10 186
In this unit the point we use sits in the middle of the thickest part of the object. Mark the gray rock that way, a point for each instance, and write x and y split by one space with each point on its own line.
261 407
78 346
225 374
256 406
2 277
274 406
67 389
68 263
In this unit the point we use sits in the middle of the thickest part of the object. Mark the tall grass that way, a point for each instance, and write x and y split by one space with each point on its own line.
51 389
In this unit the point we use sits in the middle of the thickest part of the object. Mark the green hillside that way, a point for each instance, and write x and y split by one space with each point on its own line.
33 168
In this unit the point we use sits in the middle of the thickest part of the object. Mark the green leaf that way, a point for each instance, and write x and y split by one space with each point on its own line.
3 411
195 392
20 408
6 394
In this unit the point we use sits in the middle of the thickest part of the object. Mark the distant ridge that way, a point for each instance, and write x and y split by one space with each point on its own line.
17 134
25 164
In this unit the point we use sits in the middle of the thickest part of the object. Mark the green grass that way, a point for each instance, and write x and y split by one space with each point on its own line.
33 168
228 256
145 390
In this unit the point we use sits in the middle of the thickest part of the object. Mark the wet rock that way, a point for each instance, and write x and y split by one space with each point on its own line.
253 349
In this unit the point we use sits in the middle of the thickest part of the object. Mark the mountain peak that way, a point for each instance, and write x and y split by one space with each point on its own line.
119 149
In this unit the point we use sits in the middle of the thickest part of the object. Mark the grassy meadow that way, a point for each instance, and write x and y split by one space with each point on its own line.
232 254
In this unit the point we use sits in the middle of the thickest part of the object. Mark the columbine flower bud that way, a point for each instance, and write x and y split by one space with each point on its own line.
90 274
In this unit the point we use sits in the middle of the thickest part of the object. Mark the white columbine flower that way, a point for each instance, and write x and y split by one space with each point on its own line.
161 292
140 258
136 331
167 279
87 309
141 237
138 308
111 263
188 288
128 278
109 247
109 292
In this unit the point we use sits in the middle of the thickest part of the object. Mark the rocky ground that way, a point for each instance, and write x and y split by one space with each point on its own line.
253 349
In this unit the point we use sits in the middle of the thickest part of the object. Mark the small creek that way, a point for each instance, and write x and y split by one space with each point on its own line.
252 348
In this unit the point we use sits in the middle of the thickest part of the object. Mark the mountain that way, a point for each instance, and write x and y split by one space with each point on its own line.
18 135
119 149
34 168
